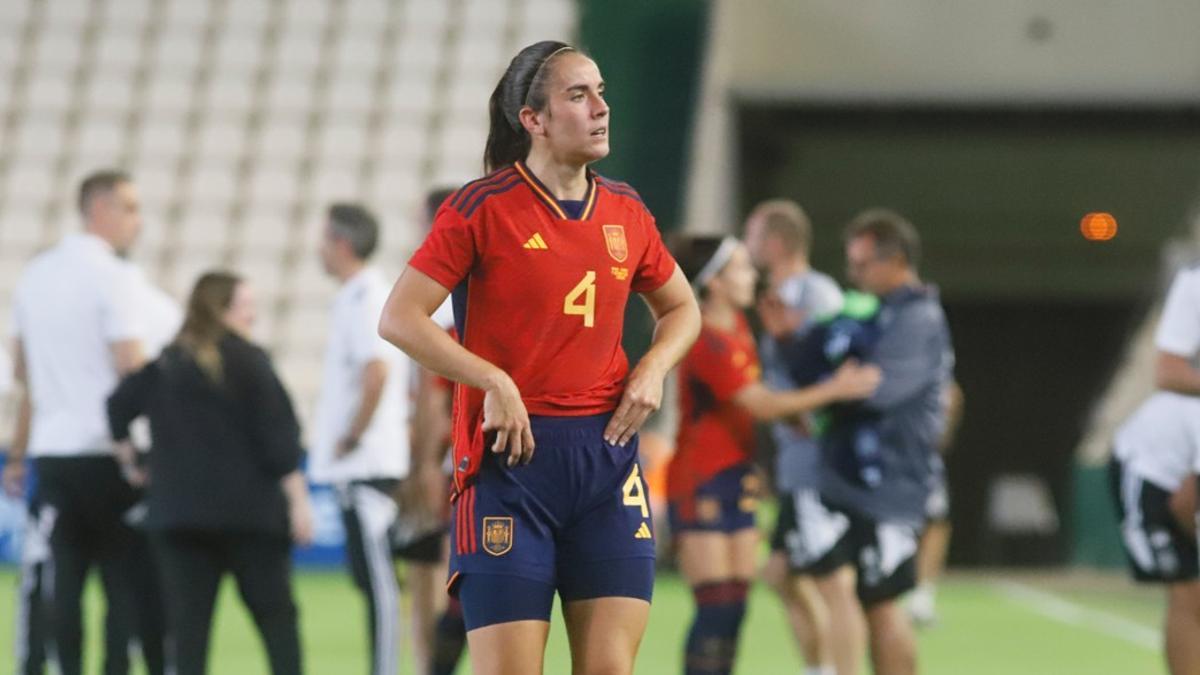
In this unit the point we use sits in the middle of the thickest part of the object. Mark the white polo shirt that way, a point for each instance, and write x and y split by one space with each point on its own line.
1179 327
383 449
71 303
1160 442
161 316
161 320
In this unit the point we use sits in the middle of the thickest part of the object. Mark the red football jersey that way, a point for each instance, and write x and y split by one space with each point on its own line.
540 295
714 433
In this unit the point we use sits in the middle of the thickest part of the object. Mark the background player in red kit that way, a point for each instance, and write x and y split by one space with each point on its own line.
542 255
712 483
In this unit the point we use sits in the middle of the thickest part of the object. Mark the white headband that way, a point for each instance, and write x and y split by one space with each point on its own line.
717 262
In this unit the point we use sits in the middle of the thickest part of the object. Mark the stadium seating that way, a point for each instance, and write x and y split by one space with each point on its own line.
240 120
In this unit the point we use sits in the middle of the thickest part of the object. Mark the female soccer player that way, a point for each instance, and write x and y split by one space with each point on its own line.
541 255
712 484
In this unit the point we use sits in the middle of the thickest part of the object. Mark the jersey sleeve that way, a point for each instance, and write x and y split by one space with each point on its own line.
1179 327
449 252
725 371
656 266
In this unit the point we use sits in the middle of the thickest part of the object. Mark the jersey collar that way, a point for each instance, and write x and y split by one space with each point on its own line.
543 193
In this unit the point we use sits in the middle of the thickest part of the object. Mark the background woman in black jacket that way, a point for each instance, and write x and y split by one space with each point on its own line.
223 489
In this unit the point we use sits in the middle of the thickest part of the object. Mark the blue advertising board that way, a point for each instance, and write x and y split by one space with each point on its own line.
328 548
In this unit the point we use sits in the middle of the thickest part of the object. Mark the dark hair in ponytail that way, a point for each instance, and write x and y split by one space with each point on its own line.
693 252
523 83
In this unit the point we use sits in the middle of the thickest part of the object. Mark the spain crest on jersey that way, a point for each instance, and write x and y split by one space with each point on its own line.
614 240
497 534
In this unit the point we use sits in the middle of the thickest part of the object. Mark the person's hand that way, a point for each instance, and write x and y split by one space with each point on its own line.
777 318
504 413
127 459
854 381
301 521
643 395
14 477
345 446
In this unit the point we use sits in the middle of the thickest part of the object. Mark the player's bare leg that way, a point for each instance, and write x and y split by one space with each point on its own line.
427 597
847 625
893 645
512 648
604 633
805 610
931 561
1182 627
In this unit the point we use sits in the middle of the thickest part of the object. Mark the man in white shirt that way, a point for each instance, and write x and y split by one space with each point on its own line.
1156 453
1178 343
360 439
76 331
779 238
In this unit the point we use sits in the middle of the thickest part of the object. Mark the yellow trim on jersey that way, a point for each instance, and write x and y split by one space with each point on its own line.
548 199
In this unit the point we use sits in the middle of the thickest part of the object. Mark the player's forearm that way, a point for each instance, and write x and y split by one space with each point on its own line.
374 377
766 404
410 329
1175 373
675 330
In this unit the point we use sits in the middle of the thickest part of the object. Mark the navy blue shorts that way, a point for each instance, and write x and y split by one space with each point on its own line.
575 520
727 502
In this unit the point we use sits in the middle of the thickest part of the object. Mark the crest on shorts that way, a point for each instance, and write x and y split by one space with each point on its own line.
497 534
614 240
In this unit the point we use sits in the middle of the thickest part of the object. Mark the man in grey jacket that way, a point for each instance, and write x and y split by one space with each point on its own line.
875 455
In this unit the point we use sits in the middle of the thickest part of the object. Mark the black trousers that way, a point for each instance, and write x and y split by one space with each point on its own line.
30 647
83 500
368 512
191 564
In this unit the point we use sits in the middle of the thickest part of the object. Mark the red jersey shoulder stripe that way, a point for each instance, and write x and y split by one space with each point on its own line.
473 204
466 192
622 190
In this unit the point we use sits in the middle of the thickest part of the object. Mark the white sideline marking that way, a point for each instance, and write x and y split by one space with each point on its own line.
1065 611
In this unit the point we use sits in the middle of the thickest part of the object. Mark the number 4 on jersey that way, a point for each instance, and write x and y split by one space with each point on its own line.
573 306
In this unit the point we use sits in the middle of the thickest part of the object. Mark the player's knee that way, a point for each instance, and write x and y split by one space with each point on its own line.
611 662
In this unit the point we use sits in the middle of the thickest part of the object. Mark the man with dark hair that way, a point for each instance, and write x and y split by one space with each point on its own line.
355 226
77 330
876 456
360 442
99 184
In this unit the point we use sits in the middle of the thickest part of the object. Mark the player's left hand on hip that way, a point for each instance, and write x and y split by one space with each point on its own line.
643 396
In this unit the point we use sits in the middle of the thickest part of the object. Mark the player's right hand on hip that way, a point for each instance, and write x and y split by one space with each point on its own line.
504 413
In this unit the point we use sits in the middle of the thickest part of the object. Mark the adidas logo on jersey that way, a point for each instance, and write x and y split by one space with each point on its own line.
643 532
537 243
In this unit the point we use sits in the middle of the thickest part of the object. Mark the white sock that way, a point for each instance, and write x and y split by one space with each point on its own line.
819 670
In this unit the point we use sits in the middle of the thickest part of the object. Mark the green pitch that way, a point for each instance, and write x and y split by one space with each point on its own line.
1052 625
